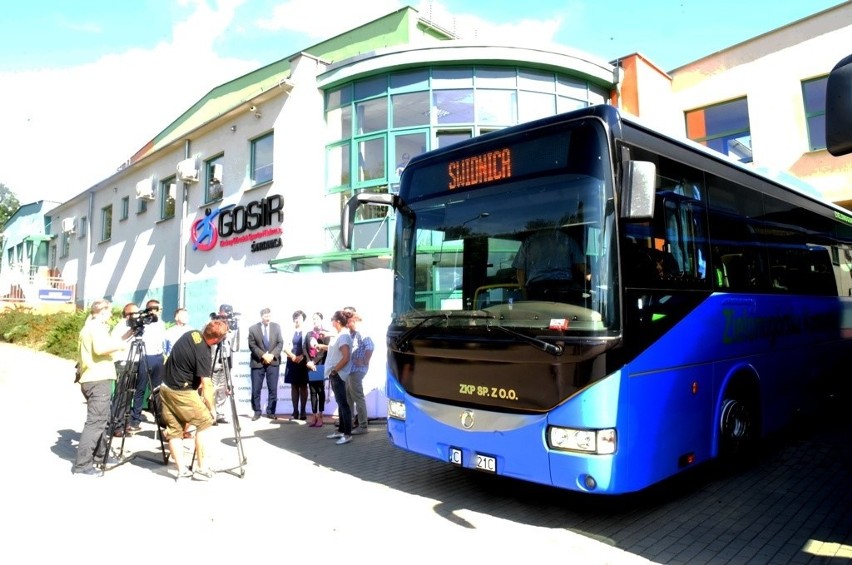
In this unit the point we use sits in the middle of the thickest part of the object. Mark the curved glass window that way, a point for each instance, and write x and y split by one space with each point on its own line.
375 125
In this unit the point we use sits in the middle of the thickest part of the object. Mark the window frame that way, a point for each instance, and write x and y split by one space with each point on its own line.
696 116
164 190
814 114
125 208
208 179
106 223
253 165
66 245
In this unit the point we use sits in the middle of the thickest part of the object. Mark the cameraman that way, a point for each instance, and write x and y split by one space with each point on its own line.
121 333
154 338
187 395
220 381
97 375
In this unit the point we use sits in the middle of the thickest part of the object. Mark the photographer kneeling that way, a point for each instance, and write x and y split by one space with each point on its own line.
187 394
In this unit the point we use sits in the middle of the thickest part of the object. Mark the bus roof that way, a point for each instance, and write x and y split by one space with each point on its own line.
616 122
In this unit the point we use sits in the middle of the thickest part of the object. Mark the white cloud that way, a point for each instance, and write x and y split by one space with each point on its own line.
321 19
63 130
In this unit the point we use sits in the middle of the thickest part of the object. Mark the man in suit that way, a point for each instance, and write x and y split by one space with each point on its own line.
265 343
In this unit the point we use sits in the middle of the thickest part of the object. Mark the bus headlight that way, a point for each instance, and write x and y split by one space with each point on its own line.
396 409
600 442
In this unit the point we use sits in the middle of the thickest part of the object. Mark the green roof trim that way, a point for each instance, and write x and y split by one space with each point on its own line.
290 263
396 28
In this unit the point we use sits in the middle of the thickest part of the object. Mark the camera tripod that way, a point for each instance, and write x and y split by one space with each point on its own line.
238 470
122 400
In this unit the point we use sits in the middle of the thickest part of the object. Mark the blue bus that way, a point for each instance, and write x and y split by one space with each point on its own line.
584 302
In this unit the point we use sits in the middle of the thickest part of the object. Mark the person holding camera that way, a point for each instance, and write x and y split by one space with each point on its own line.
120 356
97 374
186 395
154 337
220 380
265 343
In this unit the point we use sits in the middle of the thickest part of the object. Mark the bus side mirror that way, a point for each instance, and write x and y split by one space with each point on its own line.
838 109
638 190
347 218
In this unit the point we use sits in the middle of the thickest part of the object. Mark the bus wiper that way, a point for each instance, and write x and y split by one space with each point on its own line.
545 346
401 342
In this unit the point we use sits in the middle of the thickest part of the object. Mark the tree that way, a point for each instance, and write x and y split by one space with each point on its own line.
9 204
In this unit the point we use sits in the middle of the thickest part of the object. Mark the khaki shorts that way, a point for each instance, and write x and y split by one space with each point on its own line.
182 407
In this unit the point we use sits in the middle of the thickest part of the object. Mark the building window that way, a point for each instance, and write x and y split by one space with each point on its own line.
106 223
723 127
374 126
141 205
813 93
366 119
125 208
371 160
214 171
261 159
168 190
337 161
83 229
66 244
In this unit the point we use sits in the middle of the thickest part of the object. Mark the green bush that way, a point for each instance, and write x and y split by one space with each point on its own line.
61 338
53 333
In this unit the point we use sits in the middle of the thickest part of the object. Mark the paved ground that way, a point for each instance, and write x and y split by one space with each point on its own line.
303 498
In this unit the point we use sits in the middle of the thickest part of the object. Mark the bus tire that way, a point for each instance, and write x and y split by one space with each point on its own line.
738 424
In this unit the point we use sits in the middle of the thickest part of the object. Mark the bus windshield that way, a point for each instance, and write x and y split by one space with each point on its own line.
530 254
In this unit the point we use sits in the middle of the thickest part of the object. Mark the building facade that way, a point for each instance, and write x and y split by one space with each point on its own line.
250 181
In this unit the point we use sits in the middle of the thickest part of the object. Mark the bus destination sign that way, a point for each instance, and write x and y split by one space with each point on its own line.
487 167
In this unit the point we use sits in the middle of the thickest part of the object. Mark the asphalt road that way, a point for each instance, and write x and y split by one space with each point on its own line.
299 497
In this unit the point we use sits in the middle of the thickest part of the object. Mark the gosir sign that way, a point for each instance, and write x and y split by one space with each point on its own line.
232 225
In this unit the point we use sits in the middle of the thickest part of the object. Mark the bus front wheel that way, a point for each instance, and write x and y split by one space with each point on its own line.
737 427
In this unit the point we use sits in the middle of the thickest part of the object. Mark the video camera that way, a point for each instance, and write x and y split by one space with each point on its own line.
138 320
226 314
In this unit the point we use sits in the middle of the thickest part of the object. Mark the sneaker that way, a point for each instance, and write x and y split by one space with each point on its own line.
344 439
202 475
88 472
334 435
183 476
133 428
359 431
222 420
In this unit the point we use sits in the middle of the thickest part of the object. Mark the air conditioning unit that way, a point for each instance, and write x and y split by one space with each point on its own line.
187 171
145 189
218 173
68 224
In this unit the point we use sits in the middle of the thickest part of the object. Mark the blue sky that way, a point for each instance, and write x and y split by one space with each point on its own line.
85 83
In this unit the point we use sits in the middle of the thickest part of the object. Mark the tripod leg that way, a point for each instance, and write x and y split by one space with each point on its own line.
238 440
118 410
156 409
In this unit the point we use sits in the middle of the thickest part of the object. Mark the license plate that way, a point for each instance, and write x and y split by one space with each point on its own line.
480 462
485 463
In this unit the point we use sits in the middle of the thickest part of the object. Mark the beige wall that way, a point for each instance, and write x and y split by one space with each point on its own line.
769 71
